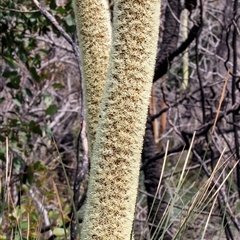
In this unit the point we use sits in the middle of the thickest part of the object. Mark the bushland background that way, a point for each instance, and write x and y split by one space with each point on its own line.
192 127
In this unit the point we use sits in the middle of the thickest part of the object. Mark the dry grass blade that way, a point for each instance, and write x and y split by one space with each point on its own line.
186 161
208 219
221 100
158 188
60 206
206 195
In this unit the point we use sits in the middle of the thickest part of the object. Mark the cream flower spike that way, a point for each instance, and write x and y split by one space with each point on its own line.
113 182
94 33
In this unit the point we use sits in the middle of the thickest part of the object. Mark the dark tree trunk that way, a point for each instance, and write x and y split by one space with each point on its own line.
171 30
170 38
152 172
152 175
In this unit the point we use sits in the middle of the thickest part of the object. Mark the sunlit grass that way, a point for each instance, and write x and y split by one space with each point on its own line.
192 211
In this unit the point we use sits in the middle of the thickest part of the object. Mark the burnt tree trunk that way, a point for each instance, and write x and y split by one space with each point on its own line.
169 40
152 172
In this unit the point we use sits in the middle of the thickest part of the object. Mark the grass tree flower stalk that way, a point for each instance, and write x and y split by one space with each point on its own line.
116 155
94 33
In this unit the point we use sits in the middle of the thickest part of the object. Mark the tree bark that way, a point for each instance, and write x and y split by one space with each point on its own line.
152 176
152 173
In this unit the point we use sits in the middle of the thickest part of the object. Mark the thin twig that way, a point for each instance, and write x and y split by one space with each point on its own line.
234 80
17 10
54 22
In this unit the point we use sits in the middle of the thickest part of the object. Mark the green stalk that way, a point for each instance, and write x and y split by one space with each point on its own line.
94 34
116 155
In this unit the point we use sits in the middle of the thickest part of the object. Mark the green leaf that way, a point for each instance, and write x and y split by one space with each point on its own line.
19 97
31 124
11 62
17 102
59 232
69 20
18 163
61 10
23 55
2 99
35 128
47 99
24 225
48 131
58 85
34 74
38 166
2 156
8 74
30 175
14 82
53 5
28 92
52 109
37 61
